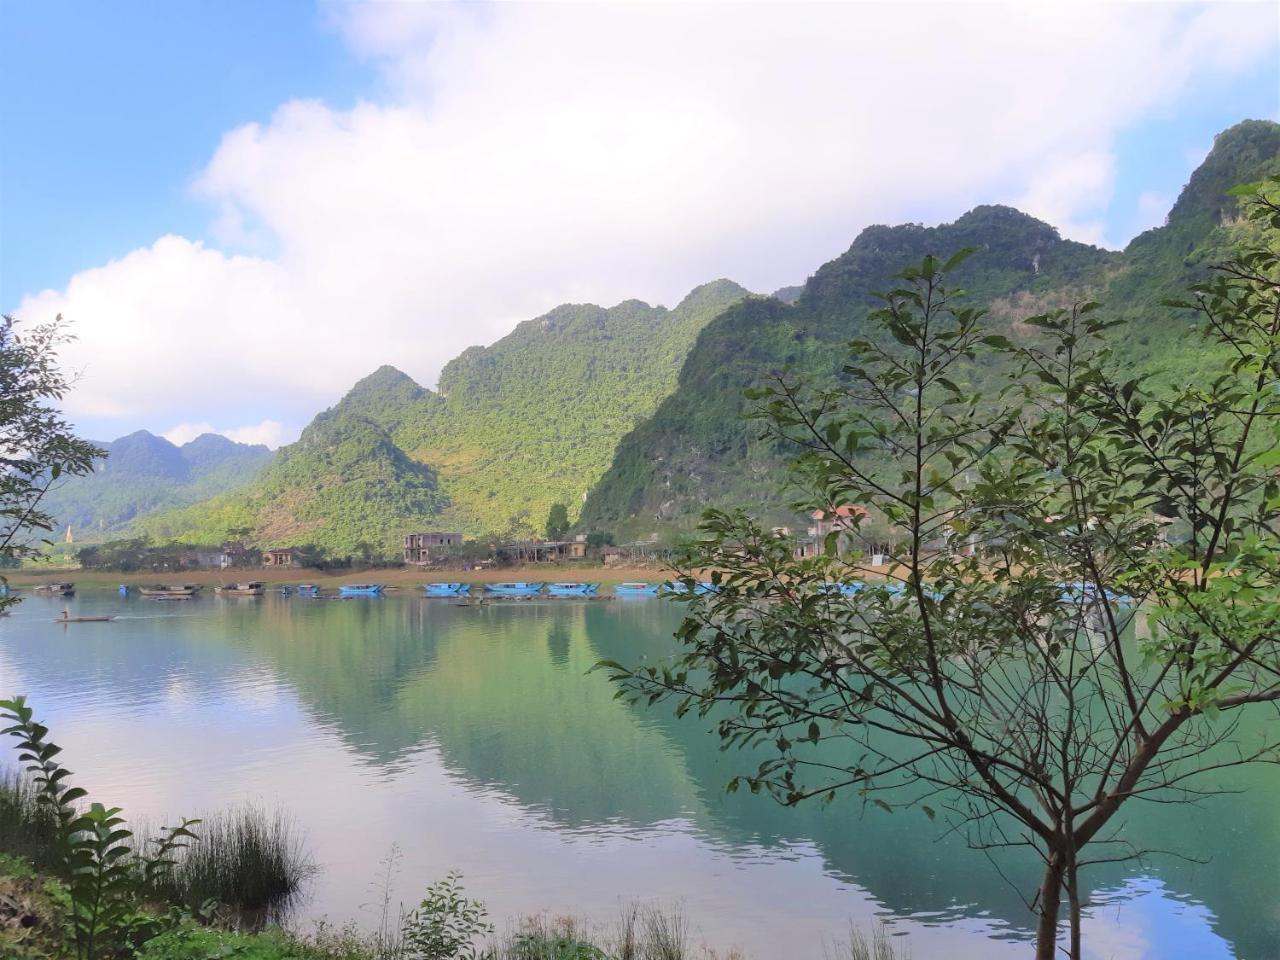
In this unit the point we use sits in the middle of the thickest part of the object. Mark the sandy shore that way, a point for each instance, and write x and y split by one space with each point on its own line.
395 577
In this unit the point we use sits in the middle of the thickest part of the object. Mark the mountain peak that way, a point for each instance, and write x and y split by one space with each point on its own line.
1248 151
385 388
710 295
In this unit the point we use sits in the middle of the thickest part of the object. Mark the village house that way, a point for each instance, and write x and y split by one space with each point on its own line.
542 551
286 557
418 546
843 520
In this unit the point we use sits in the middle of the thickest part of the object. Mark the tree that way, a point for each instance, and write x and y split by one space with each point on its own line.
994 673
37 446
557 522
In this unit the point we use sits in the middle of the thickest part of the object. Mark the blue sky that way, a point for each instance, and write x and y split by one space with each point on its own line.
118 105
353 184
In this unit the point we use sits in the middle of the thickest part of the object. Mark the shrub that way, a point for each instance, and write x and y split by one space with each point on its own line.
446 924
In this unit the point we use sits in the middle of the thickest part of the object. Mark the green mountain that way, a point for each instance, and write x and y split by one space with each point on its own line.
143 473
344 485
697 450
512 428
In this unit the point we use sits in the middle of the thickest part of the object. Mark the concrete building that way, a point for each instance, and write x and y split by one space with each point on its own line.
418 546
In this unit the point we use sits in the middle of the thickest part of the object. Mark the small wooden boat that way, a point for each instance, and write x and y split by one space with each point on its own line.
361 589
636 590
572 589
251 588
67 618
446 589
56 589
514 588
164 591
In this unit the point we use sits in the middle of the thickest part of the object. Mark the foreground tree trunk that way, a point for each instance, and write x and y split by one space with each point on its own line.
1050 900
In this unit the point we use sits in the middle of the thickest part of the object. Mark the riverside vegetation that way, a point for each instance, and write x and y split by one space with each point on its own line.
640 409
75 881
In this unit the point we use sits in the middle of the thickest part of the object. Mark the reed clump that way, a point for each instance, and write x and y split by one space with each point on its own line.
28 828
251 862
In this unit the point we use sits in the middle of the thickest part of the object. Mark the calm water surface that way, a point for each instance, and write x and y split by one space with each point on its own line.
474 738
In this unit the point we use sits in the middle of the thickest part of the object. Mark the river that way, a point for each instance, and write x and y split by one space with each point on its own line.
475 738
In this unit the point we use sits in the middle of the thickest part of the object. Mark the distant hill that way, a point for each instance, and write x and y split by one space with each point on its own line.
697 450
143 473
513 428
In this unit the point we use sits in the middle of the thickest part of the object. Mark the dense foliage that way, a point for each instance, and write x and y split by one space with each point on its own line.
698 449
37 446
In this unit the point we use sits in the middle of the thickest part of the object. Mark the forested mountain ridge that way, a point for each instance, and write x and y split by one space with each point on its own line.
697 450
143 473
514 427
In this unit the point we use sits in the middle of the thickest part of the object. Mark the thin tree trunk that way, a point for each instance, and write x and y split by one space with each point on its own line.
1050 900
1073 904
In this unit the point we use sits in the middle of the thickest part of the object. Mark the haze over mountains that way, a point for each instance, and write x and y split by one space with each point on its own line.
143 473
632 415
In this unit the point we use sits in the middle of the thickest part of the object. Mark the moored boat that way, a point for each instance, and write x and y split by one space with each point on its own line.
165 591
250 588
446 589
572 589
679 587
307 590
845 589
361 589
514 588
636 590
57 589
1086 593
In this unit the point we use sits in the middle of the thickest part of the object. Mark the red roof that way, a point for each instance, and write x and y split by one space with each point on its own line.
843 512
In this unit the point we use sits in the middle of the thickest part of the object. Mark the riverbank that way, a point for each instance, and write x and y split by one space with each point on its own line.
395 576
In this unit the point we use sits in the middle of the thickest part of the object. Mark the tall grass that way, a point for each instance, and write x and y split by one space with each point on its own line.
643 932
251 862
28 828
880 945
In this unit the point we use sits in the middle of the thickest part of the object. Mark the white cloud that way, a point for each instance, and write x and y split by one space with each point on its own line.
1153 210
273 433
1068 190
529 155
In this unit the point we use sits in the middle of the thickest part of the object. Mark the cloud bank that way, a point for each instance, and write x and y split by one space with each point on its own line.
524 156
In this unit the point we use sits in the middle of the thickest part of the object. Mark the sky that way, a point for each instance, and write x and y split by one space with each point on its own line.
241 208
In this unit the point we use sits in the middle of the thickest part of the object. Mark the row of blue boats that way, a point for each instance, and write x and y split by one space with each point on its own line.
513 588
1082 593
535 588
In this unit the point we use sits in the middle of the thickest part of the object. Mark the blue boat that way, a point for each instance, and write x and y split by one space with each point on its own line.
446 589
514 588
1088 593
847 589
361 590
572 589
678 587
636 590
